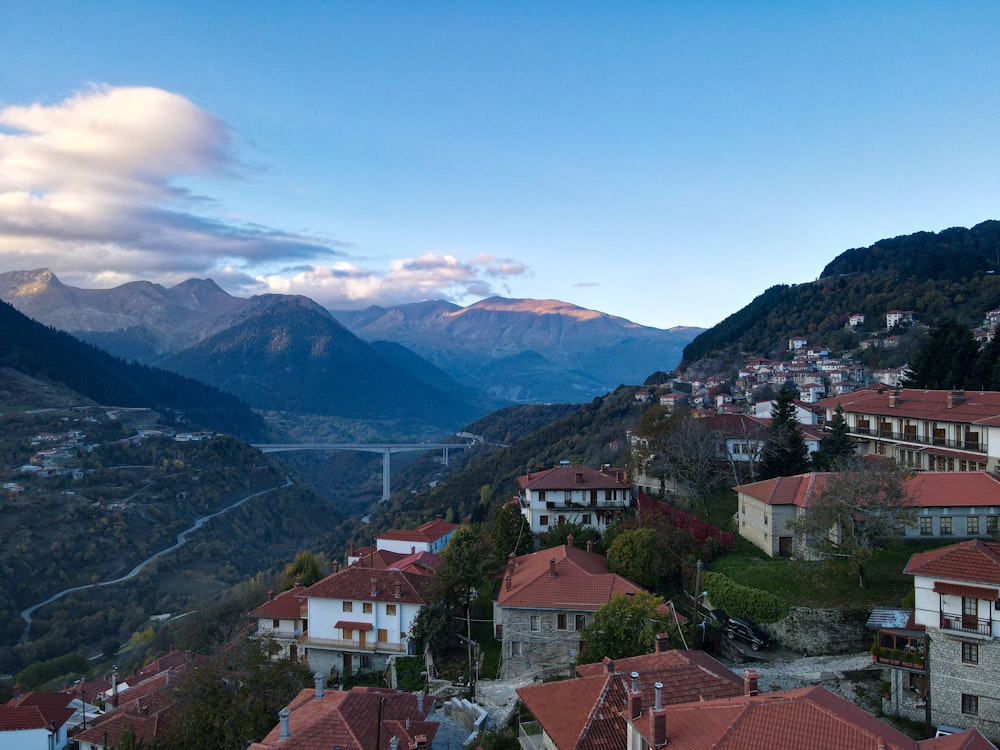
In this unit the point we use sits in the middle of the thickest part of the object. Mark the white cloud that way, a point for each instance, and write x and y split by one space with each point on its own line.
92 187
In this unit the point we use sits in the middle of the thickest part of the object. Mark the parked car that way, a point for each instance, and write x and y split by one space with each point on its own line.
749 631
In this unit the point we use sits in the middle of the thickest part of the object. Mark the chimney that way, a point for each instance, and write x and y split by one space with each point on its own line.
374 587
590 545
420 704
399 589
413 549
634 698
283 715
880 743
510 582
955 398
658 719
893 399
318 683
270 595
750 682
609 665
421 740
336 566
552 567
114 688
352 549
662 642
569 541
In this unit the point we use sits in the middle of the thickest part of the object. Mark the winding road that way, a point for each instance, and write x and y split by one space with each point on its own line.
181 539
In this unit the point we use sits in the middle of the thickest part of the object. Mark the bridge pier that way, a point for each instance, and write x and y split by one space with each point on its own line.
386 453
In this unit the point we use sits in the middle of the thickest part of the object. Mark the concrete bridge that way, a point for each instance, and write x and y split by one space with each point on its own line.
386 449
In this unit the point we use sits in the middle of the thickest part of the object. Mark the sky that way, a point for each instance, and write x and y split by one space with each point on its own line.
665 162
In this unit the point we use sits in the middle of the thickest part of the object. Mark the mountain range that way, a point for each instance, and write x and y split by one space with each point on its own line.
510 350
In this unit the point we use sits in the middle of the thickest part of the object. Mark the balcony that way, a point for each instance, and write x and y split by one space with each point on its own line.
340 644
966 624
529 736
900 648
976 446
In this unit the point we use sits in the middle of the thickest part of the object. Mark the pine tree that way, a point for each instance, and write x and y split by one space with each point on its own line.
785 451
836 447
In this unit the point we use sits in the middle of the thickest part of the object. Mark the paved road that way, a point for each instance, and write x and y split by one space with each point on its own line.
181 539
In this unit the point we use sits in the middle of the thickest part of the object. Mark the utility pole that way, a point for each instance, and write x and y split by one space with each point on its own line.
699 641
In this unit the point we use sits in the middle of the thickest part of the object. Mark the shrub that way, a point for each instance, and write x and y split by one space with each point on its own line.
737 599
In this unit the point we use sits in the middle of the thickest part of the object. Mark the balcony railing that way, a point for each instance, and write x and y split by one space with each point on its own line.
529 736
966 624
571 505
978 446
342 644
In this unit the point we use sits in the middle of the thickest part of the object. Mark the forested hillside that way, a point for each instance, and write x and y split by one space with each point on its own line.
951 272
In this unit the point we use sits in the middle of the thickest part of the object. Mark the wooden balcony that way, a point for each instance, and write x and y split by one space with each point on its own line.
900 648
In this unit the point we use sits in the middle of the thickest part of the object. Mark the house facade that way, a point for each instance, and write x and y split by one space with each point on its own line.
358 617
543 601
283 618
924 429
431 537
949 505
957 595
574 494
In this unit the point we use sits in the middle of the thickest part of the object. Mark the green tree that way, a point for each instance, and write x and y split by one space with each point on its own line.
560 533
510 532
785 452
434 628
947 358
633 555
858 511
306 569
836 447
625 626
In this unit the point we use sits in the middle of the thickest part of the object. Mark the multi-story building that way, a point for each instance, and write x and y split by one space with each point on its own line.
957 595
283 618
574 494
924 430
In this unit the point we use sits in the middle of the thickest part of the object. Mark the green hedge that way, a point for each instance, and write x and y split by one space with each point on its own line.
737 599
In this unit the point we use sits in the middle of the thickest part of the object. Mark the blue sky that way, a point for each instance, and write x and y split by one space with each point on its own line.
665 162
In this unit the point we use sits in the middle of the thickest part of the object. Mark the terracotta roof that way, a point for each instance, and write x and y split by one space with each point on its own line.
586 712
355 583
48 700
421 563
813 718
970 739
285 606
582 581
362 719
977 407
428 532
573 478
14 718
975 561
929 489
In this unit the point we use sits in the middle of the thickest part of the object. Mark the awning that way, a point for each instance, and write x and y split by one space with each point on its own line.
347 625
972 592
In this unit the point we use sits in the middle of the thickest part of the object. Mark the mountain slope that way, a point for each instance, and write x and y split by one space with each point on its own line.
295 358
953 272
49 355
575 353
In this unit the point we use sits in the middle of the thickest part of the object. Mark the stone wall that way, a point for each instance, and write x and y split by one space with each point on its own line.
822 631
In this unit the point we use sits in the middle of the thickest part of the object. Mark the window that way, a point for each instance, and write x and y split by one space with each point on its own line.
366 607
543 520
926 525
585 519
348 606
275 624
390 609
515 648
561 621
541 496
383 635
581 622
534 622
348 634
945 525
366 661
970 704
972 525
568 497
970 653
992 525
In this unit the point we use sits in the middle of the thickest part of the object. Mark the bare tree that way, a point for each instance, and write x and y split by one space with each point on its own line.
692 458
858 510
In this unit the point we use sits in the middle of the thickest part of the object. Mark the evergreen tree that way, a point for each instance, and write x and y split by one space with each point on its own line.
306 569
510 532
947 358
836 447
785 452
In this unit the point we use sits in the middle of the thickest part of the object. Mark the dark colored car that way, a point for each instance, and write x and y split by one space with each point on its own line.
741 627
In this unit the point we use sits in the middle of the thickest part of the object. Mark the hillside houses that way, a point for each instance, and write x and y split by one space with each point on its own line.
574 494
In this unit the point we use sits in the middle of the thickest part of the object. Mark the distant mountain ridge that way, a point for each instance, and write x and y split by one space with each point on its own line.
953 272
525 349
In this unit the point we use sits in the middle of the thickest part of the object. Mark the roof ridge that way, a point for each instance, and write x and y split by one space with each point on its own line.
599 703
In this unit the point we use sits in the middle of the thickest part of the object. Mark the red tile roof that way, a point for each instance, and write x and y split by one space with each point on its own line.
975 561
970 739
285 606
929 489
428 532
581 581
14 718
573 478
362 719
355 583
586 712
977 407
